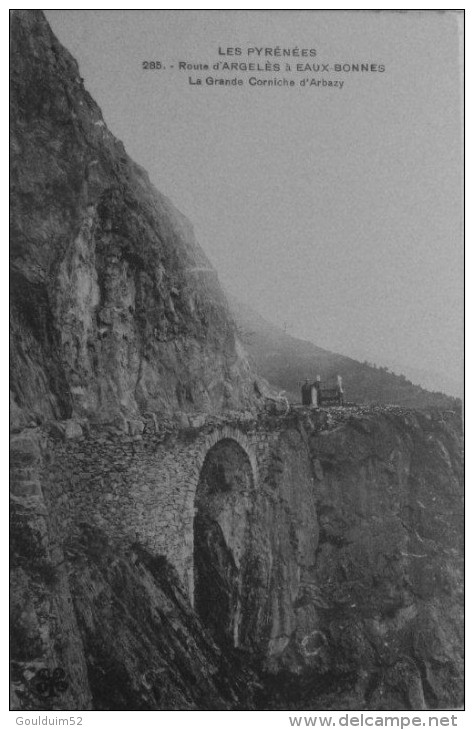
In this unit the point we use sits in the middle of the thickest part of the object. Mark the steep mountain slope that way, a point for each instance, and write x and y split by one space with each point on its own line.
286 361
115 308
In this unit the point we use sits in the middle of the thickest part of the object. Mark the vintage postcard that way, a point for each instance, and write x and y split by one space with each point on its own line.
237 364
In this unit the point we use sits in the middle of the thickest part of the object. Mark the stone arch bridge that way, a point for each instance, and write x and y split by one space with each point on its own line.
140 485
275 525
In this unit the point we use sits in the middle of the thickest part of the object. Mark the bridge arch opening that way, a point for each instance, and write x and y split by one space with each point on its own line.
223 506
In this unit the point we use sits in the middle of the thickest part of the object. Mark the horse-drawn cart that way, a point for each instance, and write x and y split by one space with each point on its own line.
329 395
322 394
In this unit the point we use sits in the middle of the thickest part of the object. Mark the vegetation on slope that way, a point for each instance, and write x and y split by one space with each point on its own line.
286 361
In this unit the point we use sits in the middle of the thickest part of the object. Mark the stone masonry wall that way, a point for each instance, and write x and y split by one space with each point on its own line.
138 487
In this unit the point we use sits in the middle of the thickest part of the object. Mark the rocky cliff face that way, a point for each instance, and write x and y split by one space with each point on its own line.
115 308
378 620
350 581
332 582
117 624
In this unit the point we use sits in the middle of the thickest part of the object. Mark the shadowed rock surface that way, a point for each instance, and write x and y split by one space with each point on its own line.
323 547
137 644
115 307
333 582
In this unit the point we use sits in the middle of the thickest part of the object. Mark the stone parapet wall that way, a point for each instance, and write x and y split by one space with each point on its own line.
137 488
139 484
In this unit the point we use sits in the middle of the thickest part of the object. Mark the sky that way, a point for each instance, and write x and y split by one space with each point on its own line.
337 213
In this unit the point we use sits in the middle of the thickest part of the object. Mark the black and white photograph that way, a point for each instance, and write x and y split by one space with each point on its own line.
237 365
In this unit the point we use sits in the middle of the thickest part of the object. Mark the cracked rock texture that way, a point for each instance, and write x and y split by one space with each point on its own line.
354 559
381 617
334 582
115 308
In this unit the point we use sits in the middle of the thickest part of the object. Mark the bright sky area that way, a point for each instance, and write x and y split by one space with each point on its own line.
336 213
